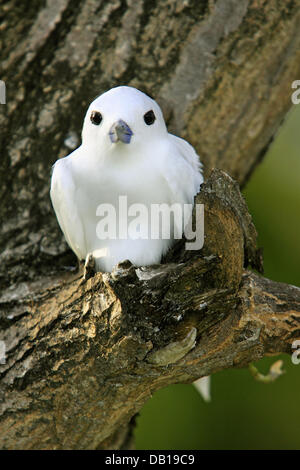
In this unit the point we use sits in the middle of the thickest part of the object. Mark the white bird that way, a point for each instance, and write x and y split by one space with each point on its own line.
127 151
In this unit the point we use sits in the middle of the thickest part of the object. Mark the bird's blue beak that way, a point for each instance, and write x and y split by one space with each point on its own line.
120 131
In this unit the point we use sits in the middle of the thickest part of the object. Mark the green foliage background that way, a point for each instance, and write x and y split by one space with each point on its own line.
245 414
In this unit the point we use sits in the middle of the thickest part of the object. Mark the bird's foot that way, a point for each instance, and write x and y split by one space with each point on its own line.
89 267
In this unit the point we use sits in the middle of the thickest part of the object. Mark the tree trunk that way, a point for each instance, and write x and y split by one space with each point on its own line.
79 359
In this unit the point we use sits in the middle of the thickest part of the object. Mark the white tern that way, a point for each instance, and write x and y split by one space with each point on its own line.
126 151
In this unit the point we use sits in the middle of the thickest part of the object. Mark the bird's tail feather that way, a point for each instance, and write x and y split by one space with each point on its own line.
203 387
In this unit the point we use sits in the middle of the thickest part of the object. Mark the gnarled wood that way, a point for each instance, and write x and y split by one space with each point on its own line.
84 356
79 359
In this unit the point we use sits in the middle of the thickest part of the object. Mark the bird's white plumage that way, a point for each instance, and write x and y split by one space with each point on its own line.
203 387
154 168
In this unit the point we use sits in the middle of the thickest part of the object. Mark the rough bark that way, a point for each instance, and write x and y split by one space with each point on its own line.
84 356
81 358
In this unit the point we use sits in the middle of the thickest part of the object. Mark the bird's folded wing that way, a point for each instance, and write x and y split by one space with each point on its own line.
63 197
184 170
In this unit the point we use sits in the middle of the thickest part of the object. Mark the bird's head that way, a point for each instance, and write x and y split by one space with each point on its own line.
121 120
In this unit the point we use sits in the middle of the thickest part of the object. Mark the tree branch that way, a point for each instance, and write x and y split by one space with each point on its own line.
83 357
79 359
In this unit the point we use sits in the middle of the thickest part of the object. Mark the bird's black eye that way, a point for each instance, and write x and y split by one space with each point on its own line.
149 117
96 117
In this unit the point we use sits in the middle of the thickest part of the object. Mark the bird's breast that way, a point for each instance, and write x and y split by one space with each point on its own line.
139 184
